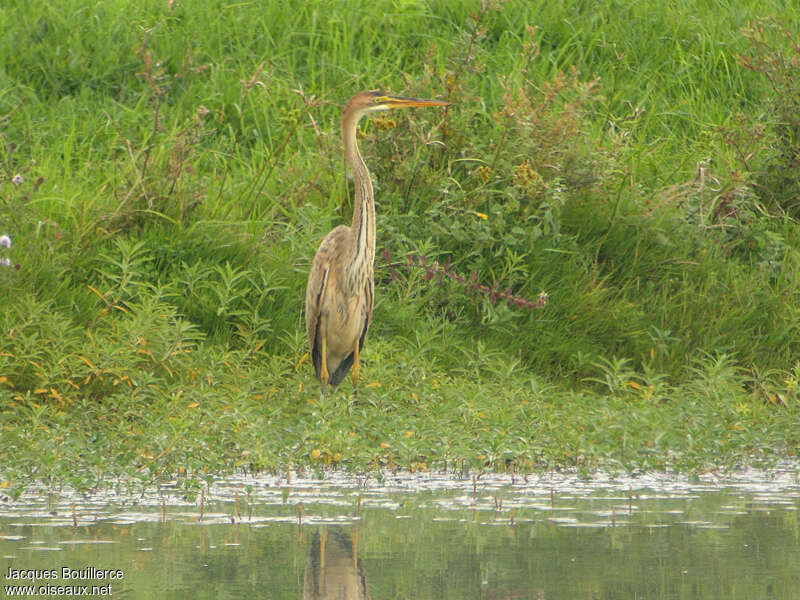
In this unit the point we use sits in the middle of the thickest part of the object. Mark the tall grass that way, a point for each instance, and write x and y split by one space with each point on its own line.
167 170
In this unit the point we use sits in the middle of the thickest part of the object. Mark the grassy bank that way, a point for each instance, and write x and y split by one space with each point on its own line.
166 173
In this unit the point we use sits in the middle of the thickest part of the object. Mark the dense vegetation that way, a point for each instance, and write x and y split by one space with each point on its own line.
167 170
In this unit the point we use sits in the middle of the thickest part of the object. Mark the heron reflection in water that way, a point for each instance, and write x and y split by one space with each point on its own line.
333 571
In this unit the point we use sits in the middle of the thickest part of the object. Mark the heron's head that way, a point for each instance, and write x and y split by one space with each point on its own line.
374 100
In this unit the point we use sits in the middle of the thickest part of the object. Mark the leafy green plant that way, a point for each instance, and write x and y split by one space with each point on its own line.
166 175
773 53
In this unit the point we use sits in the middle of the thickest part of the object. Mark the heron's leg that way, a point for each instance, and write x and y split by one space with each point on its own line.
355 367
323 371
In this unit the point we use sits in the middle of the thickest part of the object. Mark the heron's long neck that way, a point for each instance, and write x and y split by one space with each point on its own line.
363 226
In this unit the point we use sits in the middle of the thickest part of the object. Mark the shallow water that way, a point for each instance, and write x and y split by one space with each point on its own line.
417 536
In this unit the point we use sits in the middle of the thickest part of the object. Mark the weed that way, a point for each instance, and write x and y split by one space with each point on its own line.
774 53
165 176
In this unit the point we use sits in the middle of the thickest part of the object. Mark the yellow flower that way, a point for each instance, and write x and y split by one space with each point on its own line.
525 175
483 172
384 123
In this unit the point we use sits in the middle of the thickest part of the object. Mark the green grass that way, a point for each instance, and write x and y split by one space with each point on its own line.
634 160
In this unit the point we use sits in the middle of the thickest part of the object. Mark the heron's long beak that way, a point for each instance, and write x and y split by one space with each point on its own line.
403 102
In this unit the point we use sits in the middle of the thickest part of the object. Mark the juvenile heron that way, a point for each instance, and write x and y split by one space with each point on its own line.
341 284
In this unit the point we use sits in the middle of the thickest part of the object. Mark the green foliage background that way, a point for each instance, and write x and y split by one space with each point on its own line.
168 168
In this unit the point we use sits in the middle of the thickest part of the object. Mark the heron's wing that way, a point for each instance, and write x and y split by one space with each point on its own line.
330 252
369 294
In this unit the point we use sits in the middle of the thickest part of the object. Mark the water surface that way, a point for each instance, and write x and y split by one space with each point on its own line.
418 536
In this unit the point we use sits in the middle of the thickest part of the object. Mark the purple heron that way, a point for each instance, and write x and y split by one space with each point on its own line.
341 284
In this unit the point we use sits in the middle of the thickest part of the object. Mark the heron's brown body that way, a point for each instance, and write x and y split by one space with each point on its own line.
341 287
